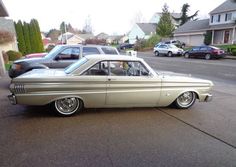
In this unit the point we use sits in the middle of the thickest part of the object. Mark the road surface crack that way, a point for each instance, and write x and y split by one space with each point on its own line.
198 129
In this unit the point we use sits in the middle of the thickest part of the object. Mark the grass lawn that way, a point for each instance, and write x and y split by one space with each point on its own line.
7 66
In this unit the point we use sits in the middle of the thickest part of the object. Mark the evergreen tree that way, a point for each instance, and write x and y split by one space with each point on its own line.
63 27
38 37
27 37
184 15
20 37
165 27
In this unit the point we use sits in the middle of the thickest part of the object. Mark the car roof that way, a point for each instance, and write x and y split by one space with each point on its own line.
100 57
84 45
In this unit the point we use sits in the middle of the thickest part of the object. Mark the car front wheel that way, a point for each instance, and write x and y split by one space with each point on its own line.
157 53
68 106
185 100
186 55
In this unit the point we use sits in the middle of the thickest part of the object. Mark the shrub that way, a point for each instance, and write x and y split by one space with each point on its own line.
13 55
207 38
234 52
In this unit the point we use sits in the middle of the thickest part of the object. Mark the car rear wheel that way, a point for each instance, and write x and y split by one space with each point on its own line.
68 106
186 55
185 100
207 56
157 53
169 54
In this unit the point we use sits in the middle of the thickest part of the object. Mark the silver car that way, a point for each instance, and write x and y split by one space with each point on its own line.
100 81
167 49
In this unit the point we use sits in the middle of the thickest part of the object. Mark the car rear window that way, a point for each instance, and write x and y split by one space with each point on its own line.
108 50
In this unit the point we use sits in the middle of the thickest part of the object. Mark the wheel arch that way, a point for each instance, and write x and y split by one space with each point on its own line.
66 96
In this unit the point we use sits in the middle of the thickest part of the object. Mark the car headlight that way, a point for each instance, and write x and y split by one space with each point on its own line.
16 66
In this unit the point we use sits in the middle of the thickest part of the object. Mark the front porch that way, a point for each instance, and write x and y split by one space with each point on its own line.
223 36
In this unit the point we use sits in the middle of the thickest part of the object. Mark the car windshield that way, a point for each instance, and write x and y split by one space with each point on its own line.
172 46
55 49
75 65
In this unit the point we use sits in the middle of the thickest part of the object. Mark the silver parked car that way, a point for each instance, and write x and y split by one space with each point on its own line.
60 57
167 49
100 81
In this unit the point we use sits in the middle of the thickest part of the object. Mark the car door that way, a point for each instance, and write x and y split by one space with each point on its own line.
131 85
93 89
203 51
194 52
65 57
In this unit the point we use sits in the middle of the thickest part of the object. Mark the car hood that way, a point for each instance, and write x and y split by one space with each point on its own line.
179 78
30 60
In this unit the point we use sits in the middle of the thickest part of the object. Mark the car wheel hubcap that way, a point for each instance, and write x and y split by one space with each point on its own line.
186 55
208 56
186 99
67 106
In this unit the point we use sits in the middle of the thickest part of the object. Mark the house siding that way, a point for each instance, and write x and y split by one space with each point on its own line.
134 33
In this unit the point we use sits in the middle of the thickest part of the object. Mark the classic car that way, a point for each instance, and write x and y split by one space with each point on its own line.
60 56
105 81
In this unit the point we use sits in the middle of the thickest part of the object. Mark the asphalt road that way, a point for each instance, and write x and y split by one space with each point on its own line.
204 135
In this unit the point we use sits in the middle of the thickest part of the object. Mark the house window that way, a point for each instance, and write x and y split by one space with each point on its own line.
228 16
212 17
218 18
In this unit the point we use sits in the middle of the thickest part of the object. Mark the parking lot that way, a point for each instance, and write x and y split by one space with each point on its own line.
204 135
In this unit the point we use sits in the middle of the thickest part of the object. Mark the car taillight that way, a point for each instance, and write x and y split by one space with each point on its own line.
215 51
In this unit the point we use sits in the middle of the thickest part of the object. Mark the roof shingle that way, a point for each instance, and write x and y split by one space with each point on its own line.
226 6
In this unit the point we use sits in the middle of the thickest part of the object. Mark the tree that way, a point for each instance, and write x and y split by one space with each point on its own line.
63 27
87 29
38 37
165 27
184 15
208 37
20 37
53 34
27 38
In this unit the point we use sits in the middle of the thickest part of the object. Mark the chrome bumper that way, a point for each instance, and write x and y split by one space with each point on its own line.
12 99
208 98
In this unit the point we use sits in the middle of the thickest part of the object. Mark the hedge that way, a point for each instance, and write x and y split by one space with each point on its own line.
13 55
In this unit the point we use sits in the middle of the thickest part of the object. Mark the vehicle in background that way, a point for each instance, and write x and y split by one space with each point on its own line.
106 81
36 55
176 43
124 46
167 49
60 56
206 52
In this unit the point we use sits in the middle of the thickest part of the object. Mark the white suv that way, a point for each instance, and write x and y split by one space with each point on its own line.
167 49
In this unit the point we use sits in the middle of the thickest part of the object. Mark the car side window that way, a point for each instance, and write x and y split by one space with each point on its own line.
195 49
69 54
127 68
109 50
90 50
203 48
98 69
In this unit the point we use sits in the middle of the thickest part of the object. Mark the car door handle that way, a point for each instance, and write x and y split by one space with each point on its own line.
109 79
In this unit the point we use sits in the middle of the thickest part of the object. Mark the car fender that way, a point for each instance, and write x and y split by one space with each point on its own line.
63 96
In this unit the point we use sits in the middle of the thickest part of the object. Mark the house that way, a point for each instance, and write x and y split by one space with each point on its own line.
70 38
141 31
192 32
8 25
3 13
102 35
156 18
221 24
113 39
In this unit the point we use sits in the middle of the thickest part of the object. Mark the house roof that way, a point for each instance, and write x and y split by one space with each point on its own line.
3 10
226 6
147 28
7 25
193 26
102 36
85 36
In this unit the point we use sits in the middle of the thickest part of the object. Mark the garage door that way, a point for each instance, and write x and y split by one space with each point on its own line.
196 40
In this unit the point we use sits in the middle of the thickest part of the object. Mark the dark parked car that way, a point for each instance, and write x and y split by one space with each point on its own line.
60 56
206 52
124 46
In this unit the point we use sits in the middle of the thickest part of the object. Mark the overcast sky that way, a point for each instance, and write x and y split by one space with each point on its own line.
110 16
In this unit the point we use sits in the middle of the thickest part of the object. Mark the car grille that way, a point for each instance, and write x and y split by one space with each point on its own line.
19 88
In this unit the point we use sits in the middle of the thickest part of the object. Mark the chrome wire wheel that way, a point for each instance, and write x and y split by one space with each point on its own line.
67 106
185 100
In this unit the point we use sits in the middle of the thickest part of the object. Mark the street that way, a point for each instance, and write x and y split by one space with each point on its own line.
204 135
